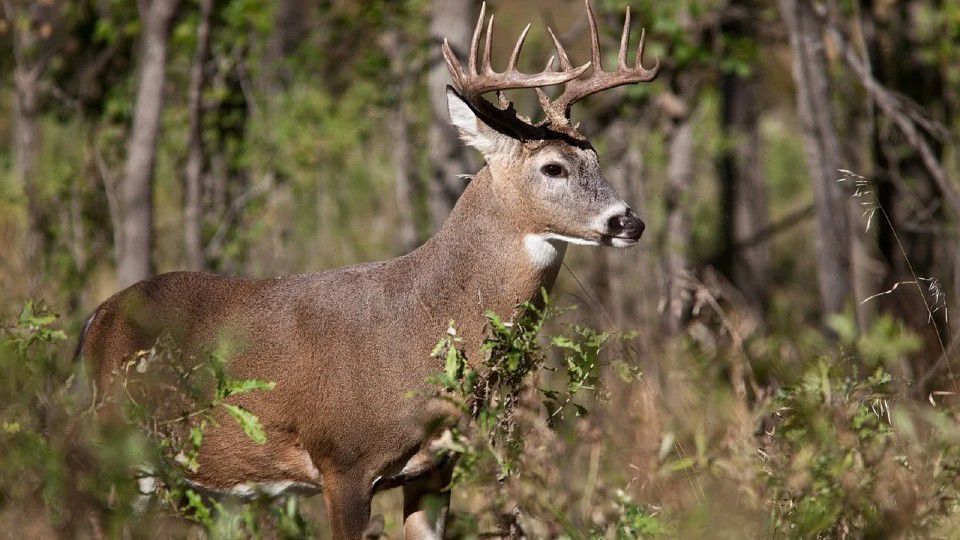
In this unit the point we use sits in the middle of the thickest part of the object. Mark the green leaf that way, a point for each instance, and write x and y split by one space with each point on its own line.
200 510
242 386
248 422
681 464
452 366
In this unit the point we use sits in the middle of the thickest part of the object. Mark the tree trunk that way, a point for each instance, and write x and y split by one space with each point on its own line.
402 150
622 268
136 193
450 19
290 23
26 147
833 241
192 204
741 175
903 183
32 45
678 226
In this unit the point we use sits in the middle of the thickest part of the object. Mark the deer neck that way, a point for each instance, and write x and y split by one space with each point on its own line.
482 259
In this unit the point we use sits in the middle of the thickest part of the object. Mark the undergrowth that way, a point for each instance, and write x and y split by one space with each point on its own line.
839 451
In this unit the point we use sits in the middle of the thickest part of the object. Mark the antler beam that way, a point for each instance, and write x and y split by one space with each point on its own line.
474 82
558 110
479 77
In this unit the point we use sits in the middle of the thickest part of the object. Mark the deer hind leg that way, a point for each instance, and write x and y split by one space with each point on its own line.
348 506
426 502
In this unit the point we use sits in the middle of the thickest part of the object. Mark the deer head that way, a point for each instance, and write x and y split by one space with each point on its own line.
547 172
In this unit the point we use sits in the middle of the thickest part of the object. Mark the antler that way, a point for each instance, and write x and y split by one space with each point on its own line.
558 110
473 82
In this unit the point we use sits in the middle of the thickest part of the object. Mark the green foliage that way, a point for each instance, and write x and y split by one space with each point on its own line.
832 450
633 521
67 460
34 328
248 421
506 394
887 343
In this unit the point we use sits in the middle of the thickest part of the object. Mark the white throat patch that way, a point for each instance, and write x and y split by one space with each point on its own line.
544 250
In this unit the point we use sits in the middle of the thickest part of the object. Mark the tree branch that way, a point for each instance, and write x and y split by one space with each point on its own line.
892 106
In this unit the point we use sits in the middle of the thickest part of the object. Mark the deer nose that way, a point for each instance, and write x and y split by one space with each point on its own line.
626 225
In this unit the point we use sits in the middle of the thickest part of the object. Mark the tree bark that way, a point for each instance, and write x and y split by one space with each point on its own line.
193 204
402 151
136 192
833 240
678 226
450 19
741 174
618 271
26 147
33 43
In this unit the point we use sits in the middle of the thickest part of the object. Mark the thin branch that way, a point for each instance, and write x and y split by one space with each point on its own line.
793 218
236 207
892 106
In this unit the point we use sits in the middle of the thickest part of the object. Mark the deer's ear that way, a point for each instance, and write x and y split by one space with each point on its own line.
473 131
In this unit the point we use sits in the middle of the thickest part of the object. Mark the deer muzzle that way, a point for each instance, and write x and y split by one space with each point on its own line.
624 229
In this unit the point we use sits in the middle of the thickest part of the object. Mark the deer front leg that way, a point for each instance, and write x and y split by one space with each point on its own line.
348 506
426 502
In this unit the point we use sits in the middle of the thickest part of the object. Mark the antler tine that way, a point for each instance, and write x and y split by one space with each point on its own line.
559 110
515 55
549 64
595 57
561 52
640 46
624 42
475 40
487 45
453 64
472 83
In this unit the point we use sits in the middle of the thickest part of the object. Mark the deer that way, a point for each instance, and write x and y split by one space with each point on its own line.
349 349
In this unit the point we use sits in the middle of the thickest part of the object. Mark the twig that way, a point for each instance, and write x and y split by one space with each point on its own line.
892 105
236 206
923 296
864 189
886 292
741 367
113 204
793 218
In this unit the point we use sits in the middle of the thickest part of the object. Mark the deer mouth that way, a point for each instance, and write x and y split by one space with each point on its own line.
619 241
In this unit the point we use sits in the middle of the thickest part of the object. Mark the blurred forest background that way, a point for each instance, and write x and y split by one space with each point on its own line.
796 163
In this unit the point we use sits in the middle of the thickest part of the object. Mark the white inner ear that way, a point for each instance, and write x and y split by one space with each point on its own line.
472 130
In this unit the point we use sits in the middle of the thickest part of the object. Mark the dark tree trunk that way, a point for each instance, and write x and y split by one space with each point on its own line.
193 200
810 75
902 182
451 19
747 265
136 191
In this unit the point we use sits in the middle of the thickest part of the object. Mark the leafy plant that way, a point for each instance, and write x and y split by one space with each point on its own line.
80 464
508 393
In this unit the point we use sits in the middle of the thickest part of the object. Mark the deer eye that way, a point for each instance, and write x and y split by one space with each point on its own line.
553 170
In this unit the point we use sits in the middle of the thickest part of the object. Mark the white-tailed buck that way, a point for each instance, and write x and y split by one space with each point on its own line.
349 349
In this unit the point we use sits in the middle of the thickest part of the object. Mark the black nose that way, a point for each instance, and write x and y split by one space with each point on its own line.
626 225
